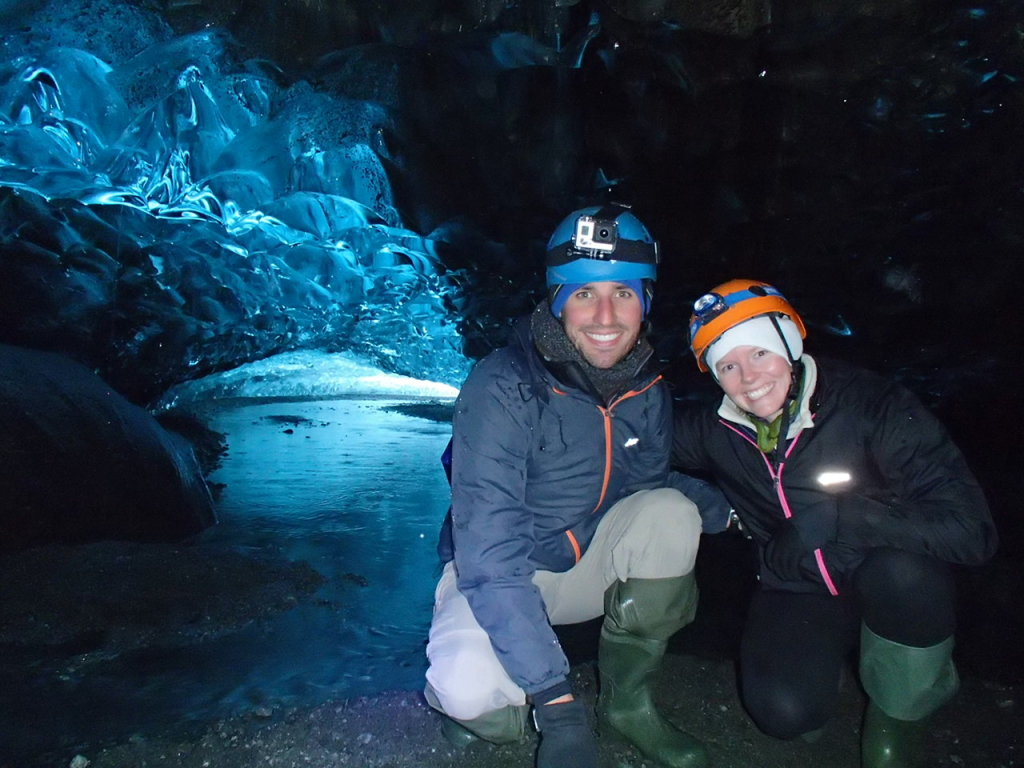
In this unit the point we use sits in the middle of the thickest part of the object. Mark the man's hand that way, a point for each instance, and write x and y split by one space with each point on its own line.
566 740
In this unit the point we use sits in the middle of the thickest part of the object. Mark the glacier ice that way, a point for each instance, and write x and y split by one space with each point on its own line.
305 374
179 213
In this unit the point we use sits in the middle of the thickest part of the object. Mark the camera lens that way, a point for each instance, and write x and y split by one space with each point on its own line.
604 233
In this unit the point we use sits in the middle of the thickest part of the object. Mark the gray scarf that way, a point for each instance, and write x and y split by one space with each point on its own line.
556 347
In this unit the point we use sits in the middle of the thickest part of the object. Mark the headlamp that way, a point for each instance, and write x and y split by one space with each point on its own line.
709 306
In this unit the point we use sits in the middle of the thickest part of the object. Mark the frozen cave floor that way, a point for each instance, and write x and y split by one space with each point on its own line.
43 603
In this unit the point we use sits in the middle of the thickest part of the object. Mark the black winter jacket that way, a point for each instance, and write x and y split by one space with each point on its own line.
908 485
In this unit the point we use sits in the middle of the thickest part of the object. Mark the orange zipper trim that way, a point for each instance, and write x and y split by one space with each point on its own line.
606 414
575 545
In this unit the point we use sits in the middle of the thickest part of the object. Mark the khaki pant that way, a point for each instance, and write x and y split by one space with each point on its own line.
649 535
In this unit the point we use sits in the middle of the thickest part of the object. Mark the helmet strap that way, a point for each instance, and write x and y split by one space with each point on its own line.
779 452
795 366
776 446
778 329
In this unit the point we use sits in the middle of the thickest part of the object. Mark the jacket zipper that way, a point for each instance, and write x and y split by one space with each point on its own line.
780 492
606 415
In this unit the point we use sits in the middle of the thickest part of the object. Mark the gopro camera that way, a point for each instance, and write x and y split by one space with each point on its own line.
596 234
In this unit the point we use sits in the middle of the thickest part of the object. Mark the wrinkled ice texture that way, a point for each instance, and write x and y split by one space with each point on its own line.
190 207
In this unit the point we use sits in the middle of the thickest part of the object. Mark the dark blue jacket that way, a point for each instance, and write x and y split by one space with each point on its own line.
536 463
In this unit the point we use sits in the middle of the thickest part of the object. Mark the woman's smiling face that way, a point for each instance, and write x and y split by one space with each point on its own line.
755 379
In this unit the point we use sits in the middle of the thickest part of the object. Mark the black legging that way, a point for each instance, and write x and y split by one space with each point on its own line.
794 644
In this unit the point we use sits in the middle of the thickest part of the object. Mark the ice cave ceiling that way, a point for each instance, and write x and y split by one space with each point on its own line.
186 185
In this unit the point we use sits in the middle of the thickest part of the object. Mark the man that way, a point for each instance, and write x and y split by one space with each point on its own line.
858 503
561 512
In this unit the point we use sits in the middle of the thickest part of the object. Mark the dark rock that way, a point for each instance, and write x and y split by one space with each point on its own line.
81 463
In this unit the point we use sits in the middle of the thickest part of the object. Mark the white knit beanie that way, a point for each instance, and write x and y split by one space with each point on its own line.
760 332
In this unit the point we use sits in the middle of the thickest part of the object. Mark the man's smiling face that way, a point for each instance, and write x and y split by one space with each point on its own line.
603 321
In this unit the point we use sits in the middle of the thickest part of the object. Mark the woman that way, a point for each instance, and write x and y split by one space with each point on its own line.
858 503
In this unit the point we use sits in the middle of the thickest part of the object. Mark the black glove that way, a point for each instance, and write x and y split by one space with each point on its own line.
785 550
798 536
566 740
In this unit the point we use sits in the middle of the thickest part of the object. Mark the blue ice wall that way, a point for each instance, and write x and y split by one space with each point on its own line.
174 200
171 211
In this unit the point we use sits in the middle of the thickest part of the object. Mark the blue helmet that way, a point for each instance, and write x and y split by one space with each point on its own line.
601 243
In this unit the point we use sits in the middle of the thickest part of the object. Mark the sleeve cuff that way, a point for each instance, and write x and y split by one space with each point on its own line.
552 692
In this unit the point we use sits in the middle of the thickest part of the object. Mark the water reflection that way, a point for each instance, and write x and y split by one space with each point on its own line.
355 489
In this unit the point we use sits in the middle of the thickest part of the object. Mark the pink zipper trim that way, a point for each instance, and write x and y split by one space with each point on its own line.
819 556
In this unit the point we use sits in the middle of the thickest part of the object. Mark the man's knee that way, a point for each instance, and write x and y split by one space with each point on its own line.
459 698
672 525
458 703
674 510
505 725
470 683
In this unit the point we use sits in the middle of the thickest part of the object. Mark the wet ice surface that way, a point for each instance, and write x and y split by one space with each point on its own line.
356 490
352 486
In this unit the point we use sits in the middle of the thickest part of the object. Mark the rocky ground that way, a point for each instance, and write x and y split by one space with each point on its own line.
981 729
93 600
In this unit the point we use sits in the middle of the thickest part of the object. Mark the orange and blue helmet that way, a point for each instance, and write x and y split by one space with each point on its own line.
734 302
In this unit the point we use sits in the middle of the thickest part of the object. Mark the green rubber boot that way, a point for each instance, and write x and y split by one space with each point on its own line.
890 743
640 616
502 726
905 685
456 734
